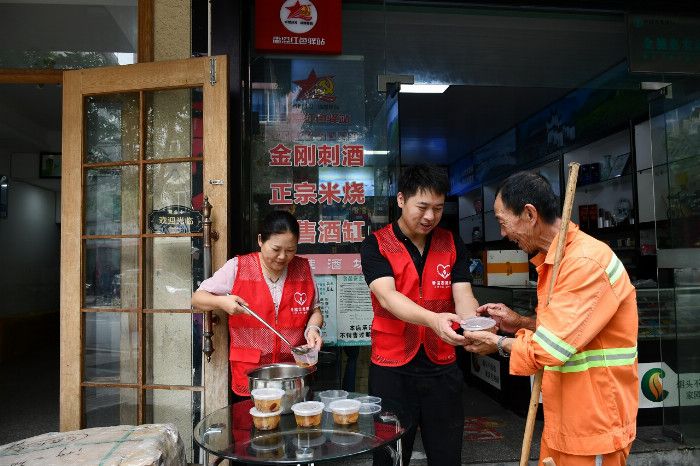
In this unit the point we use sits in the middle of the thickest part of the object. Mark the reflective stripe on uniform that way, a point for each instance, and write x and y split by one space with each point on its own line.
608 357
614 269
553 344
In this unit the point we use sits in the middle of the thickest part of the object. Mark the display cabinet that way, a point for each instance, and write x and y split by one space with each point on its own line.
656 314
604 191
471 216
492 231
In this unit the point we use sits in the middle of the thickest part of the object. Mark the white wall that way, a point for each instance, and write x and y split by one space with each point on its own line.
30 246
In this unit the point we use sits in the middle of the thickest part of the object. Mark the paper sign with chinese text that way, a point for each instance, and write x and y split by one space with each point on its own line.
327 300
487 369
354 311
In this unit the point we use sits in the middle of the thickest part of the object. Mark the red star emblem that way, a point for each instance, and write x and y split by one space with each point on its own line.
314 87
300 11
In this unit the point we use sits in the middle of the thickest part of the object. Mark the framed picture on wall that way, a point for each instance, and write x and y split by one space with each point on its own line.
50 165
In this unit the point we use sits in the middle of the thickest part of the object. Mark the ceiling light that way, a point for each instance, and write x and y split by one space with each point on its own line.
653 85
376 152
424 88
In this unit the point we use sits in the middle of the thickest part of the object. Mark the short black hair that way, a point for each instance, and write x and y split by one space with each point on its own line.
530 188
415 178
278 222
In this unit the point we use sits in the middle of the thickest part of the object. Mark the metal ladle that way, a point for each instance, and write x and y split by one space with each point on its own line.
295 349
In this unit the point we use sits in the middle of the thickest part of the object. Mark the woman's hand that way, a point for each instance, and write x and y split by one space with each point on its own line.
232 304
313 337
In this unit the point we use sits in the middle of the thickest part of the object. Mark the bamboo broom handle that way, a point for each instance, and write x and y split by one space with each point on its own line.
537 383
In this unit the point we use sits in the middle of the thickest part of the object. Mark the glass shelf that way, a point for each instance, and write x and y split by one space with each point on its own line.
603 183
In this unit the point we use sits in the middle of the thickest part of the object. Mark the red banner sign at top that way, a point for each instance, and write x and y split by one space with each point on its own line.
299 26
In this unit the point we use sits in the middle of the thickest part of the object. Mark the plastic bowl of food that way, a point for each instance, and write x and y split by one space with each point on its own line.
265 421
307 359
267 400
345 412
329 396
369 399
308 413
474 324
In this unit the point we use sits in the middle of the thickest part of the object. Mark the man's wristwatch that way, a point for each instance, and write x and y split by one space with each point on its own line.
499 345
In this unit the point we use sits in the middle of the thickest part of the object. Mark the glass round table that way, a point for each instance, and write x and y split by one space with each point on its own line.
228 433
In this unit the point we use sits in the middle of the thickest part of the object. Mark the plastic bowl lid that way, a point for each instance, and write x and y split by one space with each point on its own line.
267 443
346 438
307 440
308 408
478 323
369 399
369 408
268 393
345 406
254 412
333 394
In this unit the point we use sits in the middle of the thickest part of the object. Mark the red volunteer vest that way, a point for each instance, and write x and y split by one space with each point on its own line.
395 342
253 344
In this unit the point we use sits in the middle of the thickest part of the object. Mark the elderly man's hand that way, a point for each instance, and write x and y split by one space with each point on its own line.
506 319
442 326
481 342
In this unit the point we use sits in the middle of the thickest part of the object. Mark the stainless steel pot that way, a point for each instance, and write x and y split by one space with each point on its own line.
288 377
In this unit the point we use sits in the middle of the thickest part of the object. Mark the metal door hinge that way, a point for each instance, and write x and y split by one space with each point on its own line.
212 71
216 182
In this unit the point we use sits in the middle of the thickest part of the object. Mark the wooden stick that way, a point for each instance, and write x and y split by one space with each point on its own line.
548 461
537 383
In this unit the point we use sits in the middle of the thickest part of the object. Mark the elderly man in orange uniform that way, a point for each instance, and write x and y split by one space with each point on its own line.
585 339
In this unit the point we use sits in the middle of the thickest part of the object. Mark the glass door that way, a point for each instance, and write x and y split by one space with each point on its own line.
144 145
675 150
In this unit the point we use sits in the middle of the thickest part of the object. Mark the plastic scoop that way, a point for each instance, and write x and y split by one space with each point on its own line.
295 349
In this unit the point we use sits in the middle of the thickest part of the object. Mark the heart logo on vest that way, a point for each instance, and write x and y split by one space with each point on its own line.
443 270
300 298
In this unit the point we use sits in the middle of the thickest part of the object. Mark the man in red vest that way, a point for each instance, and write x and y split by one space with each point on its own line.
419 278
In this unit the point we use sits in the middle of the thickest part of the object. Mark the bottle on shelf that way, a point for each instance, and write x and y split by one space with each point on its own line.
476 234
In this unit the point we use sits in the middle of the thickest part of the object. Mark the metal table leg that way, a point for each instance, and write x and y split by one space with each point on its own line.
396 453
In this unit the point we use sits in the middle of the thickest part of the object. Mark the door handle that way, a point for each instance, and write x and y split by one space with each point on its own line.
209 318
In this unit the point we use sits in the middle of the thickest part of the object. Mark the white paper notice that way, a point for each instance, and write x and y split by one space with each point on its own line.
354 311
327 300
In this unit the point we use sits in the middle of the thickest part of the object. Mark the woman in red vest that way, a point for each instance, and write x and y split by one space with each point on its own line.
277 285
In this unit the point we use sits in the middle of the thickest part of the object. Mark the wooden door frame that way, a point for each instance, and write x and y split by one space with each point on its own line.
191 72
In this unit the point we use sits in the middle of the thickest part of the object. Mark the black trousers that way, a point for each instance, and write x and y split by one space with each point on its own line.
434 403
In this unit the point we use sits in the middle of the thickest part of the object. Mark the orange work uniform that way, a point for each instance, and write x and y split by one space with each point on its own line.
586 341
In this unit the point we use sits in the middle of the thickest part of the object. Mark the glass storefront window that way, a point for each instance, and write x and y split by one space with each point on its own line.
528 89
